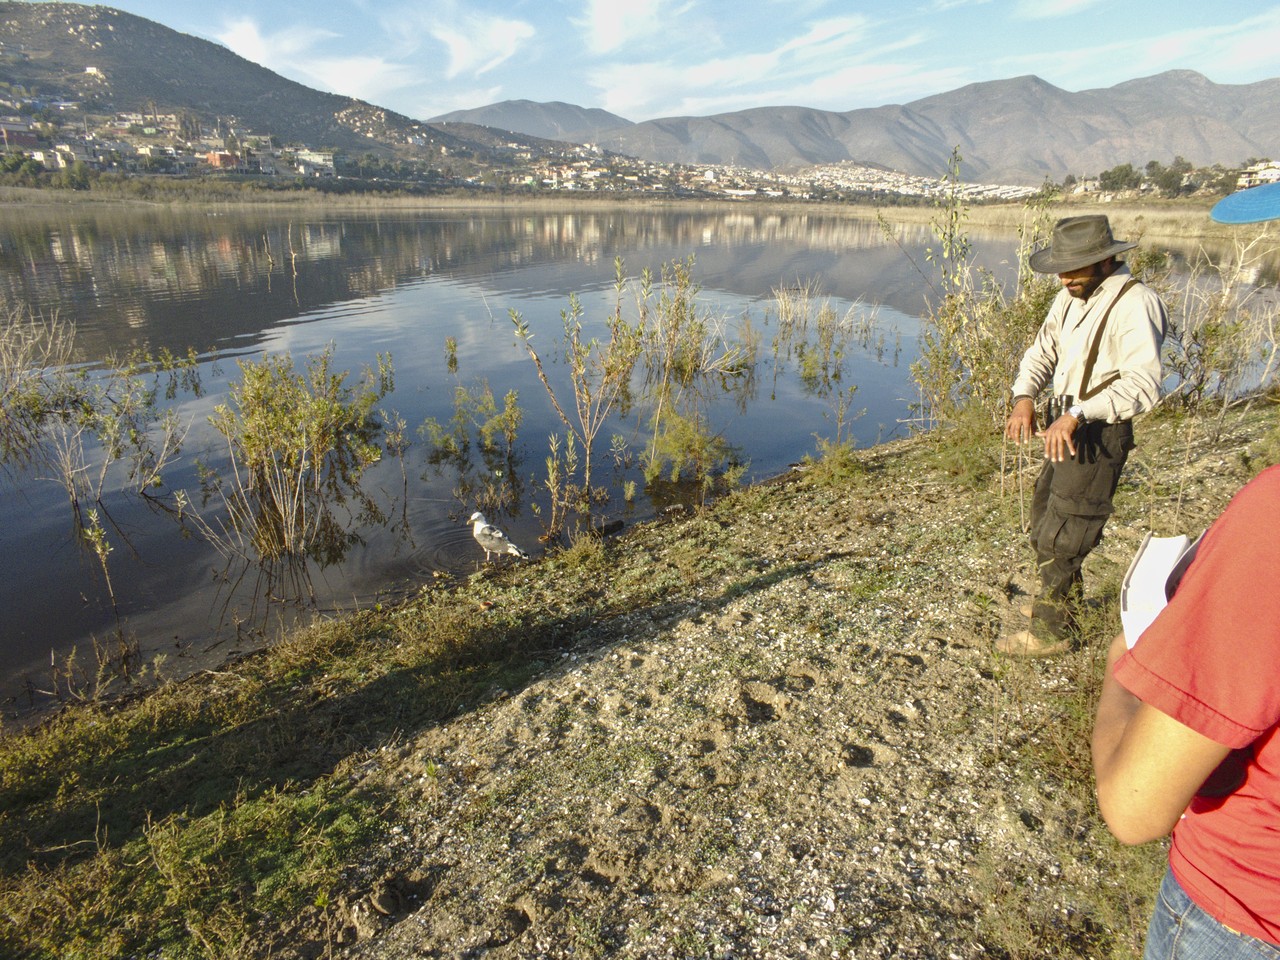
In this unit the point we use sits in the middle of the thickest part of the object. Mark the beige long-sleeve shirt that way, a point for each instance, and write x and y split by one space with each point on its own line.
1129 351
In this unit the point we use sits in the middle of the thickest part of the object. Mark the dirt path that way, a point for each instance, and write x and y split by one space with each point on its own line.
819 756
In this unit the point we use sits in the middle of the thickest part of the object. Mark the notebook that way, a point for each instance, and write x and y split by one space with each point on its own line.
1152 577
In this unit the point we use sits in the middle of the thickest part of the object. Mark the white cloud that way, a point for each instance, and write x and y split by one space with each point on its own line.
1230 53
474 41
646 91
877 84
296 52
365 78
478 42
788 73
610 25
1233 53
826 37
1052 9
945 6
274 51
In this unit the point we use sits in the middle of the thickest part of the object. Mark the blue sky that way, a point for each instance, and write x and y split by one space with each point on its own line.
644 59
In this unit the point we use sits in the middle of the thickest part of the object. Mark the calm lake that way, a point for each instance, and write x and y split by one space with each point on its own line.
246 284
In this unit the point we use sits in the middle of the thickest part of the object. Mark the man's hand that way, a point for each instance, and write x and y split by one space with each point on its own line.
1060 438
1021 425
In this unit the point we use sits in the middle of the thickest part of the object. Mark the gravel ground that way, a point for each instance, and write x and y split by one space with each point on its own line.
816 754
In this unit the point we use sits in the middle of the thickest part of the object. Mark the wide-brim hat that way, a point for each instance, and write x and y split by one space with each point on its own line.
1249 206
1078 242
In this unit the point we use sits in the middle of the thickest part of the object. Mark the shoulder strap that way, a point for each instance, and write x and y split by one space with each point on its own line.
1085 392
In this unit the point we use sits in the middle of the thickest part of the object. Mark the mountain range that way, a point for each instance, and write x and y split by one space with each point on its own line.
1016 131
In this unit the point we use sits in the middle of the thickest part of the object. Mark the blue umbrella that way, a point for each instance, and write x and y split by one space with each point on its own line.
1249 206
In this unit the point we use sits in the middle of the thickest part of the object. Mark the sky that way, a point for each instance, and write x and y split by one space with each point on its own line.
645 59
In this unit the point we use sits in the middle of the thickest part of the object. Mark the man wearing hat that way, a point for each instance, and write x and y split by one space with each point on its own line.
1098 355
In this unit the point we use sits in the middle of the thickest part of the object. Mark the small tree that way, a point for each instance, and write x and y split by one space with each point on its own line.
1221 345
599 372
1122 177
975 333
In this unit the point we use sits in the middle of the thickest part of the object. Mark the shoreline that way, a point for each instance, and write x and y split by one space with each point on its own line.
1176 219
1003 216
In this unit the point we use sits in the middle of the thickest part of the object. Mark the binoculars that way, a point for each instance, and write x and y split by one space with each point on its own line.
1056 407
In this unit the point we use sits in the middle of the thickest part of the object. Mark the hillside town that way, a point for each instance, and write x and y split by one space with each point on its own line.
62 138
52 136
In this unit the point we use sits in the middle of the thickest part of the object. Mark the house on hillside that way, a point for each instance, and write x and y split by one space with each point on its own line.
313 163
1268 171
223 160
16 135
66 155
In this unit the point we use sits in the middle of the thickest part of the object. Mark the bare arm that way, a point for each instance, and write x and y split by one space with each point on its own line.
1148 765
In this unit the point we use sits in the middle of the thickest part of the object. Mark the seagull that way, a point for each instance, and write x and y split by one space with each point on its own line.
492 539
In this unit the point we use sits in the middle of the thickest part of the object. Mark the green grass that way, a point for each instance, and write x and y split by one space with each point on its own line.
176 821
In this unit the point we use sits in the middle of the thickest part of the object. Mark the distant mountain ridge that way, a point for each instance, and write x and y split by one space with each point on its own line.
1017 131
550 121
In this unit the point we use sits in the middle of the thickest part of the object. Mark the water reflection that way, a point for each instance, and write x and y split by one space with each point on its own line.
432 289
177 280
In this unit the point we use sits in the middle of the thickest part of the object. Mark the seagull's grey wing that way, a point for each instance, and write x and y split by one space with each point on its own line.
491 538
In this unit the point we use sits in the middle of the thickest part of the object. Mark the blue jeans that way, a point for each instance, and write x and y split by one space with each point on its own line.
1180 930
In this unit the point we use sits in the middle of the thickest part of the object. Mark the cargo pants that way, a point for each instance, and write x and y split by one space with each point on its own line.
1069 508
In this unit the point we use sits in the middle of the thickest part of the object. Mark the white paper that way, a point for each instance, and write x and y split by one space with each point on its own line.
1142 594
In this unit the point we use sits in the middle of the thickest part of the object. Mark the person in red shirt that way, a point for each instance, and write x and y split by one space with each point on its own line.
1185 738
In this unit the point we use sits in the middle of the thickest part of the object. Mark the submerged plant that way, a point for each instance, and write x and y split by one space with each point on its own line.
31 350
688 356
478 425
685 355
298 443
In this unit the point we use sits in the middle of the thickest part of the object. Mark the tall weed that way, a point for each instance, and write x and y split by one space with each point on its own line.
688 357
298 443
599 376
30 348
666 355
975 332
1221 346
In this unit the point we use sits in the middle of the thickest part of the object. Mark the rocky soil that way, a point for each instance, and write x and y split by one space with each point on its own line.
817 755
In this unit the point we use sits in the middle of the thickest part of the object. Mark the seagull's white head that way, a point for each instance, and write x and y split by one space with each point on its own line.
476 517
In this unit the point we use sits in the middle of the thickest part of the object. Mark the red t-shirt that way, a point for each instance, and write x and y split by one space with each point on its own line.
1211 660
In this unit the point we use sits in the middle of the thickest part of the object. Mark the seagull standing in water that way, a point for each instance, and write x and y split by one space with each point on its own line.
491 539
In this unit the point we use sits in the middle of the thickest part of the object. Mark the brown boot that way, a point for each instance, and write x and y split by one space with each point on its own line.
1025 643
